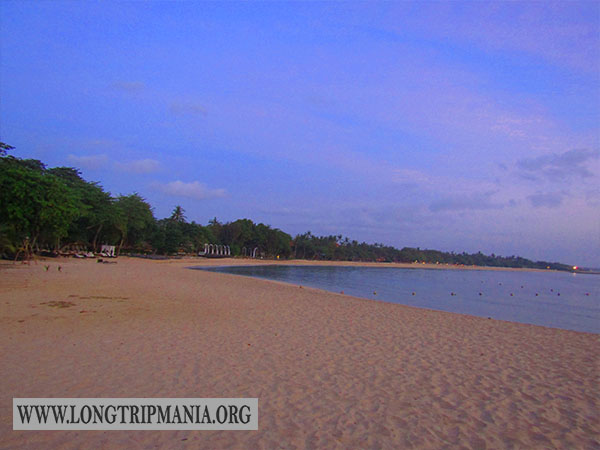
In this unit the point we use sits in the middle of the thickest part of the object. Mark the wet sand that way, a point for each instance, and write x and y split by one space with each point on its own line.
330 370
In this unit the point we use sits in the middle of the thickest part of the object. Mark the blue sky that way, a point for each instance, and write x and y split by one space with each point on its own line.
455 126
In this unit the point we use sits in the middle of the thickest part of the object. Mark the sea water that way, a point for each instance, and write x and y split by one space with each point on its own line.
553 299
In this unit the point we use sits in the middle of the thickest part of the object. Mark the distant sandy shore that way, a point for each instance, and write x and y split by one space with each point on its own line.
330 370
304 262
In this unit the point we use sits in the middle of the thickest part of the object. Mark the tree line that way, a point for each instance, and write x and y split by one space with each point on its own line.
51 209
339 248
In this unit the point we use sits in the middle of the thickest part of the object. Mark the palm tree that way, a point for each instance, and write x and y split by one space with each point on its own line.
178 214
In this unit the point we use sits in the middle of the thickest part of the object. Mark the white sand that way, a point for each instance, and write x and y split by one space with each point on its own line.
330 371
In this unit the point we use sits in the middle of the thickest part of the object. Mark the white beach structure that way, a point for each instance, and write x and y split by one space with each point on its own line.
108 251
215 250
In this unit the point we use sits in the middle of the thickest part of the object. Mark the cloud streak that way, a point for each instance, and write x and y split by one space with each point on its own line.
546 199
194 190
552 32
91 162
187 108
559 166
130 87
139 166
477 201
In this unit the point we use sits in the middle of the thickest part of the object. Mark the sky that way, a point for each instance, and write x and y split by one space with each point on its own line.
445 125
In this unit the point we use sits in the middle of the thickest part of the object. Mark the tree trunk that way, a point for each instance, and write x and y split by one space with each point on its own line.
120 245
31 245
95 248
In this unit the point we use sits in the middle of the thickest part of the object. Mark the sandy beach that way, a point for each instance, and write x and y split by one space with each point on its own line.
329 370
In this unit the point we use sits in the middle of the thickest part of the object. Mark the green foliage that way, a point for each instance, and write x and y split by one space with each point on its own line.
308 246
133 219
34 204
7 241
244 233
178 215
97 211
4 148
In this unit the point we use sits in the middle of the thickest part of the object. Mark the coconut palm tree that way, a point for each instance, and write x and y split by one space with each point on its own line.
178 214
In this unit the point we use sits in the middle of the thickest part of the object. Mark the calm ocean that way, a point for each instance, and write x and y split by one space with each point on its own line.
552 299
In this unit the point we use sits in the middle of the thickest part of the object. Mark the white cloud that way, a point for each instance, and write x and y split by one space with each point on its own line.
88 162
195 190
139 166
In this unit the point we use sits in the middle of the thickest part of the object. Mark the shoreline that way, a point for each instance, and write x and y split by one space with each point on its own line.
395 300
304 262
329 371
233 261
379 300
